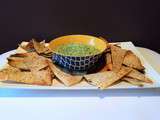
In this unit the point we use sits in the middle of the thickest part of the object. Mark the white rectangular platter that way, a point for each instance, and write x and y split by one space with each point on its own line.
149 71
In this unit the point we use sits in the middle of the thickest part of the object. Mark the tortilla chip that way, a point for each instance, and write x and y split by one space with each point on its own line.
139 76
39 63
21 50
56 82
118 55
66 78
3 76
98 78
28 61
42 77
107 78
22 55
18 63
133 81
131 60
4 72
27 46
34 46
23 43
123 71
39 46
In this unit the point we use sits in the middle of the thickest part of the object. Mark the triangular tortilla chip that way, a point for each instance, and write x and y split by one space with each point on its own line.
27 46
138 75
133 81
98 78
4 72
42 77
66 78
117 57
131 60
39 46
56 82
28 61
18 63
34 46
22 55
107 78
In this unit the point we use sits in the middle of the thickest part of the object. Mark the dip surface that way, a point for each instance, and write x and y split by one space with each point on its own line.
77 49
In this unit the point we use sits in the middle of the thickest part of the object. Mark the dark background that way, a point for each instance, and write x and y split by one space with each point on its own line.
120 20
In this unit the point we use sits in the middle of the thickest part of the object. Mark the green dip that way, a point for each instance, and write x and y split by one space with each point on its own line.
77 49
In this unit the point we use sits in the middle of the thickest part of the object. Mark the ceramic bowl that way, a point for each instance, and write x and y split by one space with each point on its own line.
77 62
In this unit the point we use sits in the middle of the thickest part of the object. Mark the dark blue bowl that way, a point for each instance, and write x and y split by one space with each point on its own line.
77 62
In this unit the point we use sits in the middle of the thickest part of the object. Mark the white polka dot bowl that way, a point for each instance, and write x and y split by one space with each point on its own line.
77 63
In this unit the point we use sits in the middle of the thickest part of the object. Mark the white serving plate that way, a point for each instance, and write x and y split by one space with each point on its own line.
150 72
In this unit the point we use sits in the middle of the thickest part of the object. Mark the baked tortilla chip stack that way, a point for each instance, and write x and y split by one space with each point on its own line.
29 68
121 65
33 65
35 68
38 47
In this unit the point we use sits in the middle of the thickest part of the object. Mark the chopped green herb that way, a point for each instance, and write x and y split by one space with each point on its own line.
77 49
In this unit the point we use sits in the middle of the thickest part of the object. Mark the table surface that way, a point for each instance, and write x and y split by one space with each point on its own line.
141 104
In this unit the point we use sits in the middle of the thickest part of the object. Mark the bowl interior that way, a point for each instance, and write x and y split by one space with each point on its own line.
83 39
